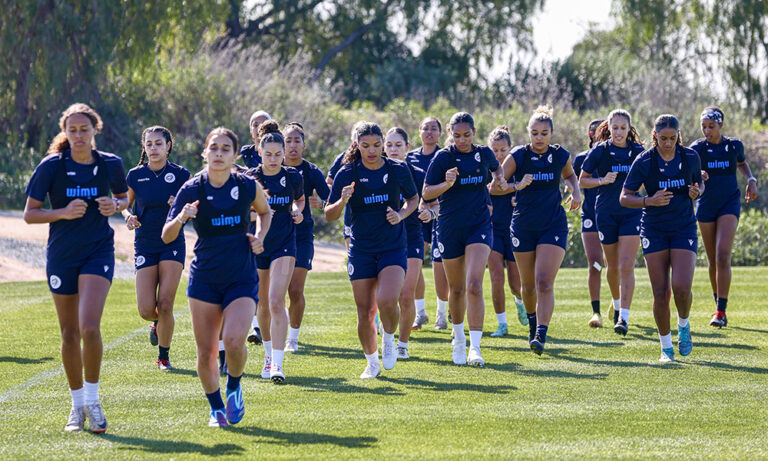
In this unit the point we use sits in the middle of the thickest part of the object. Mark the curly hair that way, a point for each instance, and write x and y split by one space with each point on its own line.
60 142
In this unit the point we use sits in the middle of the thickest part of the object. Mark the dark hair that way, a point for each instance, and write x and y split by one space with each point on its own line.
592 129
360 129
603 131
220 130
399 131
60 142
499 133
542 114
432 119
155 129
295 126
710 109
462 117
269 131
666 121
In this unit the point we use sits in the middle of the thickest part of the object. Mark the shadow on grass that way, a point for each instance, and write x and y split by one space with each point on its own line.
185 372
512 367
729 367
344 353
754 330
24 360
339 385
303 438
437 386
562 354
171 446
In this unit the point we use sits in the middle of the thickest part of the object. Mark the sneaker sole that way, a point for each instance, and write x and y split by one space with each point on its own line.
278 379
476 363
620 331
537 349
254 340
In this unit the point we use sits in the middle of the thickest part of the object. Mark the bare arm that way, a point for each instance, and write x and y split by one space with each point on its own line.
35 214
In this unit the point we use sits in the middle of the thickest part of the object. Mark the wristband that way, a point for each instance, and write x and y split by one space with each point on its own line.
644 201
752 178
117 203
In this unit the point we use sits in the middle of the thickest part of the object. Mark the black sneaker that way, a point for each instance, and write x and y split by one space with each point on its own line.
621 327
537 345
153 333
255 336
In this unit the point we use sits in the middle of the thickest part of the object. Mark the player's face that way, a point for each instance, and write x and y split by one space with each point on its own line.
463 135
667 139
79 131
272 155
711 130
370 148
619 129
429 133
294 145
395 146
500 149
219 153
540 133
255 123
156 147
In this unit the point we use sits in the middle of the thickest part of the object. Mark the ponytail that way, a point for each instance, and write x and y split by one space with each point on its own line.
358 131
155 129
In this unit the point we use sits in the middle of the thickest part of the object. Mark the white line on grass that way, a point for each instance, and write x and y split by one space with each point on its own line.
18 390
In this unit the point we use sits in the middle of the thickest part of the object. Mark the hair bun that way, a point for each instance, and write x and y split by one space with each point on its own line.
546 110
269 126
502 128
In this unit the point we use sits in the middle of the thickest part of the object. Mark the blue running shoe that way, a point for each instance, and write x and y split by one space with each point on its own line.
235 405
684 344
537 346
522 315
667 355
501 331
218 418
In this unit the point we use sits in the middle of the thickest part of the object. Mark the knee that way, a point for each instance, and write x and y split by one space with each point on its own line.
723 260
276 304
681 289
295 293
90 332
70 336
544 284
164 305
147 312
458 290
626 265
660 292
475 287
497 278
232 341
407 298
528 287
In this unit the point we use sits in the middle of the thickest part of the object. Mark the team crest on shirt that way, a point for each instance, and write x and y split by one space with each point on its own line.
350 268
587 223
477 156
55 282
549 158
170 178
646 243
140 260
95 170
385 178
282 181
235 193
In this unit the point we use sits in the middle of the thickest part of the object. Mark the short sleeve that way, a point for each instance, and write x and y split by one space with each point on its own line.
577 162
340 181
740 155
436 170
592 159
187 194
407 186
317 180
336 166
695 163
490 158
42 179
117 175
638 173
297 182
130 179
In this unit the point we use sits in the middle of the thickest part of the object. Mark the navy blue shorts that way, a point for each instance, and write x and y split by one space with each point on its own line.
709 213
684 239
223 293
63 275
264 260
437 254
524 240
347 221
361 265
502 244
453 240
588 224
144 259
611 226
416 244
305 253
426 231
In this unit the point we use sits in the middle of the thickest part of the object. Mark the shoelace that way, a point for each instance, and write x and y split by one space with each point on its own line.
388 349
96 413
76 415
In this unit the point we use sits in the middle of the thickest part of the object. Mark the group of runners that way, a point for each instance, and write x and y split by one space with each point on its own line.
467 205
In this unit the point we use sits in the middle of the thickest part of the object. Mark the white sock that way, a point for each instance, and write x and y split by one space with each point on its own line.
267 348
402 344
277 357
474 339
624 314
517 300
91 392
373 359
293 333
666 341
221 345
442 307
616 304
388 338
78 397
501 318
458 332
420 307
255 322
681 322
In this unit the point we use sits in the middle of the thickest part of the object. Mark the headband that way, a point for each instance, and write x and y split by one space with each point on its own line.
712 115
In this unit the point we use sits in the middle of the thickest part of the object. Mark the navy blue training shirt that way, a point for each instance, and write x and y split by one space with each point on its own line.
281 189
720 161
250 155
539 206
604 158
589 196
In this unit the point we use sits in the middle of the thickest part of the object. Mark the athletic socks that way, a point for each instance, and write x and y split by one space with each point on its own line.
722 304
267 348
442 307
531 325
163 352
596 306
501 318
222 354
78 397
666 341
616 304
277 357
214 399
373 359
458 333
517 300
541 332
681 322
474 338
255 322
388 338
402 344
293 333
221 345
232 382
91 392
624 313
420 307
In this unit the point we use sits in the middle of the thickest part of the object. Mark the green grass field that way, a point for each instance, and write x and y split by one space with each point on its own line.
592 394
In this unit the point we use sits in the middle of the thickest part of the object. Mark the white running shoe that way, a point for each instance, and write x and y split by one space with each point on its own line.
475 359
388 354
76 420
292 345
441 323
265 370
402 353
420 321
276 374
372 370
459 352
96 419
